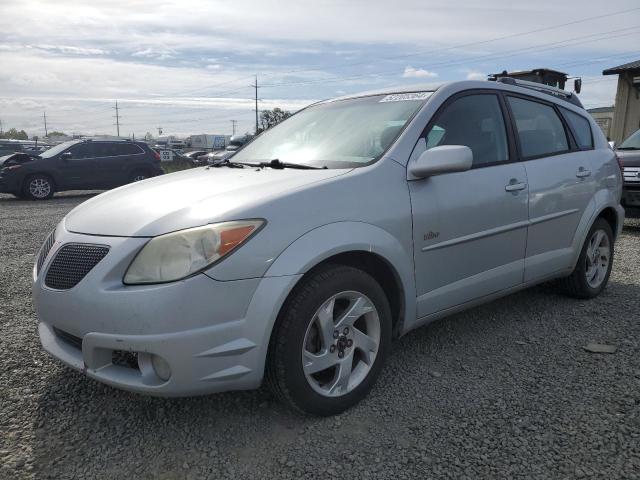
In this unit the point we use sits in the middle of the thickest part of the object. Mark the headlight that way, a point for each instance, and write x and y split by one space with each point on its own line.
177 255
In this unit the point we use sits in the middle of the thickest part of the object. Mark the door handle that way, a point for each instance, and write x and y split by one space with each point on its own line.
583 172
515 186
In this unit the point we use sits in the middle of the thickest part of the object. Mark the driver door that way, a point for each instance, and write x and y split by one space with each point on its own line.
78 171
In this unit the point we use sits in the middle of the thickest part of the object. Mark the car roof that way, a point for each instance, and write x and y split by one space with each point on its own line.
513 86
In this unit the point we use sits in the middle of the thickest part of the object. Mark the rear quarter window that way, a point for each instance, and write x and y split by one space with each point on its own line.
581 129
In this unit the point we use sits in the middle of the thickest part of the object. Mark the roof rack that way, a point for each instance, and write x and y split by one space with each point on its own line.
542 88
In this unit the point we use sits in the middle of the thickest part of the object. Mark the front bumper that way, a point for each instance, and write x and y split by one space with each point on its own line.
213 335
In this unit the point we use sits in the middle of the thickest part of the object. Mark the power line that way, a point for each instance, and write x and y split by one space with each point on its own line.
492 56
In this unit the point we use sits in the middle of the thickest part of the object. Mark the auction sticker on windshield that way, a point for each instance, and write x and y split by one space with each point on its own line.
403 97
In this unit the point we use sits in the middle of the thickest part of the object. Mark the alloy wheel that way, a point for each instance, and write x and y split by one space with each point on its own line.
341 344
597 258
39 188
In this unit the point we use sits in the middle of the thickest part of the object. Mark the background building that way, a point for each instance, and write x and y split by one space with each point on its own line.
626 118
604 118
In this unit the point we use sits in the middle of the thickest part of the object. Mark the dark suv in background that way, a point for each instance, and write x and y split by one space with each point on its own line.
78 165
629 154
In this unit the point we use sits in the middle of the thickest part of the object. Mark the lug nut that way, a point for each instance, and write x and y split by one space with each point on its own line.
340 354
346 331
349 343
332 348
336 334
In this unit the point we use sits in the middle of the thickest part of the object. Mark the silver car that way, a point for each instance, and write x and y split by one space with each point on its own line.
297 262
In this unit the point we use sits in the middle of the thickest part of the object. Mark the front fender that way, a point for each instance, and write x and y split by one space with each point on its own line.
340 237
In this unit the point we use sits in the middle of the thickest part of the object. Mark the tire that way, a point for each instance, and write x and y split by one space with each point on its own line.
38 187
362 343
598 244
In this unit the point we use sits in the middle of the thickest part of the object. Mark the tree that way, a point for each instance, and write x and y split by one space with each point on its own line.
270 118
57 134
14 134
148 137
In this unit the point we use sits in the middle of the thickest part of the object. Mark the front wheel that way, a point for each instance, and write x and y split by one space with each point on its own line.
38 187
592 271
330 341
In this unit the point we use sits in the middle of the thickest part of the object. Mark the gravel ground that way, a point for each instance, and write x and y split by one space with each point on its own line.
501 391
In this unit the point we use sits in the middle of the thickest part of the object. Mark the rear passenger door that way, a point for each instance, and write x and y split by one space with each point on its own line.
561 182
469 227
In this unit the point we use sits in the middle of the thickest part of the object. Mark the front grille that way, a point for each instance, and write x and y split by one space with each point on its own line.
66 337
631 175
72 263
44 251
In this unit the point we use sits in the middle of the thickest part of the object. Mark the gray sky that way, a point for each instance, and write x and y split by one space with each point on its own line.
187 66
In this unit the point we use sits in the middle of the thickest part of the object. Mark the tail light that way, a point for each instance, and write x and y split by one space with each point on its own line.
157 155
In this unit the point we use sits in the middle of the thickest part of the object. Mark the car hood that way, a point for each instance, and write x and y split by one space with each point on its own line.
186 199
629 158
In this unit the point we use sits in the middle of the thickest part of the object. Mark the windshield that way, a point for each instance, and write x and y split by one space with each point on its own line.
53 151
336 134
631 143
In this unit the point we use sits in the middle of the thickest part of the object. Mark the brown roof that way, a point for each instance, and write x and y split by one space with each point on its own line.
622 68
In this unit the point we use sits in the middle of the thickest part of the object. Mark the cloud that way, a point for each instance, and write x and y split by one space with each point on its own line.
410 72
473 75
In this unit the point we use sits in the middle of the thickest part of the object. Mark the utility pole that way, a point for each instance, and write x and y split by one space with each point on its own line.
233 125
1 127
44 115
117 117
255 85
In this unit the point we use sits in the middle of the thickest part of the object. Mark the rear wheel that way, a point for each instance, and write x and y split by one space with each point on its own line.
593 269
38 187
330 341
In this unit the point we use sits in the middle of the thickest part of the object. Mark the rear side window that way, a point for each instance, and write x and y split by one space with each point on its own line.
127 149
539 127
475 121
581 127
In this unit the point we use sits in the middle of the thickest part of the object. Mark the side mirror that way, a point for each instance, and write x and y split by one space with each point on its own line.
66 156
577 85
443 159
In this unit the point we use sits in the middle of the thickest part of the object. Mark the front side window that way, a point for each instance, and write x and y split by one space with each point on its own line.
581 127
337 134
540 130
81 151
474 121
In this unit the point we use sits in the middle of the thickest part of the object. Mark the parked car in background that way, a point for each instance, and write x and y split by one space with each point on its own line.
629 154
25 146
196 156
345 226
235 143
80 165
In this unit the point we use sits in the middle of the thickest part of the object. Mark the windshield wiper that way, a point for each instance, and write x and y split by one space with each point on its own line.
275 164
278 165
